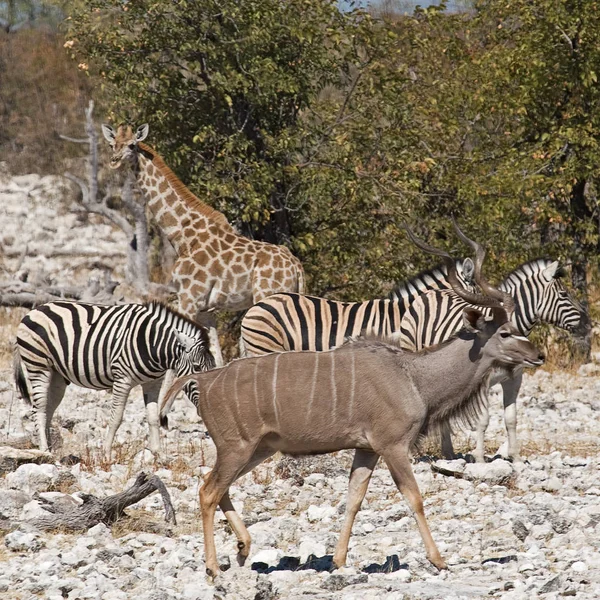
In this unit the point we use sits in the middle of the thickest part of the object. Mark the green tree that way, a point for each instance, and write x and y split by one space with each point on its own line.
288 116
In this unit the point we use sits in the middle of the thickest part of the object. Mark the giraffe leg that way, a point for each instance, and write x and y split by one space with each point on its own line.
398 461
120 393
360 475
151 392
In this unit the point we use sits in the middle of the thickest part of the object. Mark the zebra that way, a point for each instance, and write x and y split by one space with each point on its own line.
539 296
105 347
293 322
286 322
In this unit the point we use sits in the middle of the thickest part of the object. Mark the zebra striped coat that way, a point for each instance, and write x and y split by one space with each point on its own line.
105 347
429 313
539 295
285 322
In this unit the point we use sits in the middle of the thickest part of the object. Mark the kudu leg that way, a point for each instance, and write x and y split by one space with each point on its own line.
398 462
360 475
227 469
235 521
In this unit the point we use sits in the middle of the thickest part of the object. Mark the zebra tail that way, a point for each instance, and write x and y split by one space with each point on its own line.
169 398
20 374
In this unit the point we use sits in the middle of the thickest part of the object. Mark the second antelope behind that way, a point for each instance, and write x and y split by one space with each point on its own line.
369 396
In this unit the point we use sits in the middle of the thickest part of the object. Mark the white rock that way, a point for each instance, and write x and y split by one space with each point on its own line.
579 566
308 547
269 556
319 513
33 510
491 473
32 478
20 541
100 530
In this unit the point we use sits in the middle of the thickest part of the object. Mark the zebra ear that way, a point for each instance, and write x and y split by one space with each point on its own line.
550 272
468 269
185 340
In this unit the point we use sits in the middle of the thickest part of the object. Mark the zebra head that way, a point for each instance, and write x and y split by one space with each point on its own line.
195 357
556 305
540 295
124 143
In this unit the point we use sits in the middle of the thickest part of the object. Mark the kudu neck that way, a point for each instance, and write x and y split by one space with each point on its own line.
448 376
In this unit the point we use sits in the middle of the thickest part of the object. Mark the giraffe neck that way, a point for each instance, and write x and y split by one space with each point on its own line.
179 213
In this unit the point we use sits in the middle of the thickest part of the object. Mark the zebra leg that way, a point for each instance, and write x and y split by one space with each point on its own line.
447 447
151 391
40 386
510 391
56 392
120 393
482 425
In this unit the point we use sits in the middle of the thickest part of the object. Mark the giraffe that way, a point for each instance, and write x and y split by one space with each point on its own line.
216 268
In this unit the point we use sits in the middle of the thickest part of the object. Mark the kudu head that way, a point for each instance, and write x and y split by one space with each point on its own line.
124 143
496 337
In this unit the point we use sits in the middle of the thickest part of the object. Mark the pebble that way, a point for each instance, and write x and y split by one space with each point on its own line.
516 531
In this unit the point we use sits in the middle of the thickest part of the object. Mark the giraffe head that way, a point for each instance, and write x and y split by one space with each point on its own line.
124 142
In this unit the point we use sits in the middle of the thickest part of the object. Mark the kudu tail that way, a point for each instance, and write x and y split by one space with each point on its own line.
21 379
169 398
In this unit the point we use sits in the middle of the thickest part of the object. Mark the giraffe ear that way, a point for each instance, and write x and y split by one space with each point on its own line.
142 132
109 133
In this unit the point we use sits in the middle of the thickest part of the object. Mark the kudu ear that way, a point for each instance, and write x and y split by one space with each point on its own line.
185 340
142 132
500 315
473 320
108 132
468 270
550 272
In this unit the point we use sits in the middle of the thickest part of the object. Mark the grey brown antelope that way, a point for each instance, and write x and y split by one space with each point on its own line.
538 295
105 347
367 395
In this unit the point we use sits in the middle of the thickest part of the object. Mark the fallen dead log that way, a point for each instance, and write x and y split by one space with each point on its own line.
108 510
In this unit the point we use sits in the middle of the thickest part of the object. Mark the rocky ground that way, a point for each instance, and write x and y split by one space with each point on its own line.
509 531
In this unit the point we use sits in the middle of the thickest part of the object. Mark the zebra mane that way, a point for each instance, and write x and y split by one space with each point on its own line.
424 280
189 326
529 268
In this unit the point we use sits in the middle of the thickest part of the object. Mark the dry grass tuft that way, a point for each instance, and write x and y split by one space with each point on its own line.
9 321
569 447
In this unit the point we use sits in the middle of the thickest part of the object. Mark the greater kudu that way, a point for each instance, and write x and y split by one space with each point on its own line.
366 395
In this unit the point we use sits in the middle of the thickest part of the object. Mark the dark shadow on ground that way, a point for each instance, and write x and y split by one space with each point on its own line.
325 564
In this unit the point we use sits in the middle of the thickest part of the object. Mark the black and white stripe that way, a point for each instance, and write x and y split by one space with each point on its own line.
284 322
105 347
539 295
